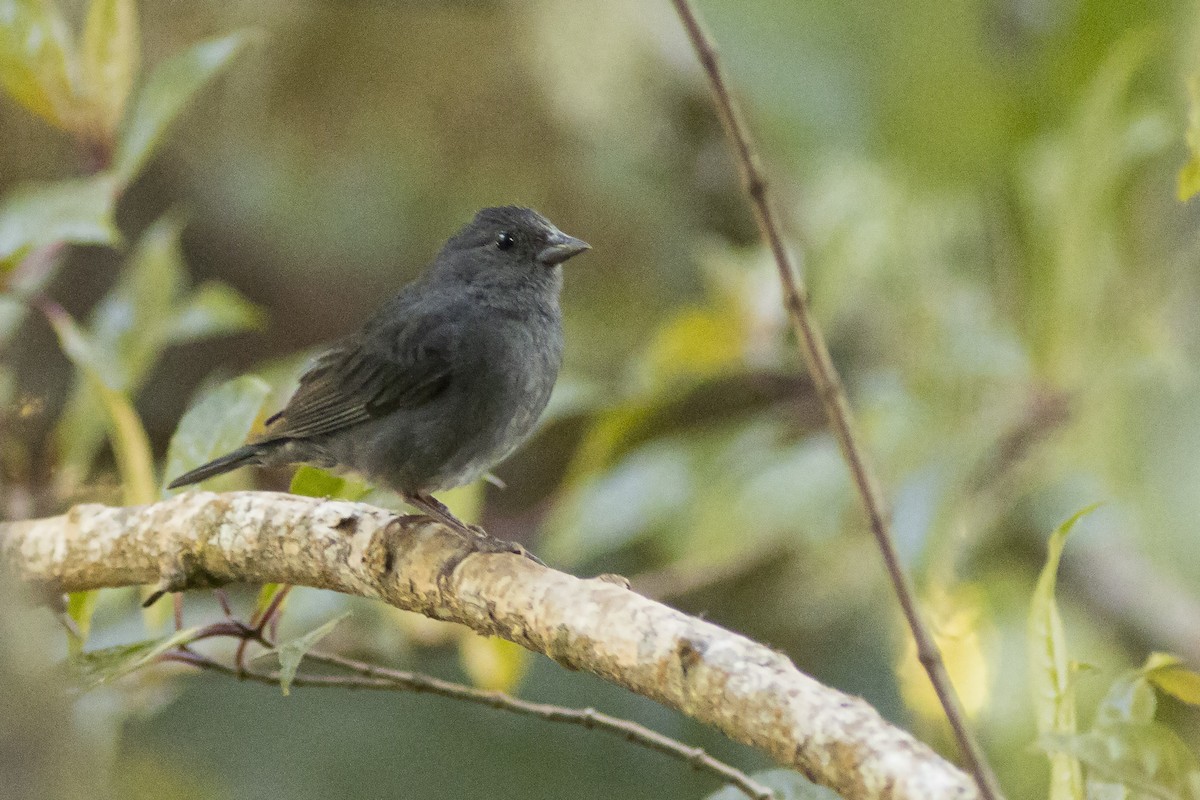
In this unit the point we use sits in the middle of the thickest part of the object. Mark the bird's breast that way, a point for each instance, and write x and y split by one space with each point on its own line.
500 392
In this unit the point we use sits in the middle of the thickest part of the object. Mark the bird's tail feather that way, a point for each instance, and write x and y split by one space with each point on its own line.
241 457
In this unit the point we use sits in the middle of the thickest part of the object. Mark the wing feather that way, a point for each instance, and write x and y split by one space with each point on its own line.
366 377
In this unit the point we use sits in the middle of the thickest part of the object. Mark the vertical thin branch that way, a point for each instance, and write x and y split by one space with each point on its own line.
833 396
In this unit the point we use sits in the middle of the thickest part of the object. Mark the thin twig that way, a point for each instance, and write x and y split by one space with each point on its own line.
829 386
369 676
270 616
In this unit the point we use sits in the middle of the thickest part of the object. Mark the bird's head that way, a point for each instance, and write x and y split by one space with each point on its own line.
508 246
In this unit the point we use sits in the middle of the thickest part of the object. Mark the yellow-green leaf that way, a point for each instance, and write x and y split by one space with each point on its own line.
265 595
165 94
130 443
1168 673
1050 669
81 606
1189 176
315 482
493 663
36 59
1189 179
110 58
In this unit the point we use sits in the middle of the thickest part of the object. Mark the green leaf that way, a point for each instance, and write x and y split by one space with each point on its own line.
216 423
110 59
212 309
1168 673
787 785
1189 176
78 211
169 89
36 59
1050 671
291 653
104 666
130 443
314 482
81 606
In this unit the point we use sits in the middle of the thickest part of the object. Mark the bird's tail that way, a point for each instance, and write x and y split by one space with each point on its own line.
241 457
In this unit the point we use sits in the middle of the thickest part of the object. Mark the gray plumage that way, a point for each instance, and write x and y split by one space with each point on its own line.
447 379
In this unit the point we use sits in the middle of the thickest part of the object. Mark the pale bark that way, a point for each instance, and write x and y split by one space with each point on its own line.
751 693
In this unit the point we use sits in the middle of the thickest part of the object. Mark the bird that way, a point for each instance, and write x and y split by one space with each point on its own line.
446 380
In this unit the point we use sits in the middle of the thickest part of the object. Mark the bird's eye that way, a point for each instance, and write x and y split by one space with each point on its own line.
505 240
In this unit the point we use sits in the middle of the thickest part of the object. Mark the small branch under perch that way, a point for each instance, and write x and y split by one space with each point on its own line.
751 693
369 676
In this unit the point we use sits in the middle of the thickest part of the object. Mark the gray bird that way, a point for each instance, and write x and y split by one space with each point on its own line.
445 381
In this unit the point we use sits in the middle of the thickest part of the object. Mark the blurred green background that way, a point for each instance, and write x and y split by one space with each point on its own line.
984 193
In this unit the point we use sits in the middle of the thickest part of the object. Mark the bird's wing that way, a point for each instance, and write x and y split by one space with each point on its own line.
365 377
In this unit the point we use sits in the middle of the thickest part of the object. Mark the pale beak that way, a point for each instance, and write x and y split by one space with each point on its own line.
559 247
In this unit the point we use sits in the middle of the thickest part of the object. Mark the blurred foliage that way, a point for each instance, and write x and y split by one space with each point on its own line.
787 786
1189 176
131 447
985 195
47 749
494 663
147 310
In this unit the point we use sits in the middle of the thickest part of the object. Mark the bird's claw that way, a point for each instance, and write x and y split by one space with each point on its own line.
486 543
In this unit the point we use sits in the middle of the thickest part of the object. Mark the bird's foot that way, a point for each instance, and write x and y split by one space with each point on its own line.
484 542
476 538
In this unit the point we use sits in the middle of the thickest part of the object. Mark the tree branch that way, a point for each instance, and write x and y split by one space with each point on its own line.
829 387
751 693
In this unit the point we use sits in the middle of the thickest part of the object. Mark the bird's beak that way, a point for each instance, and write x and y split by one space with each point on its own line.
559 247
